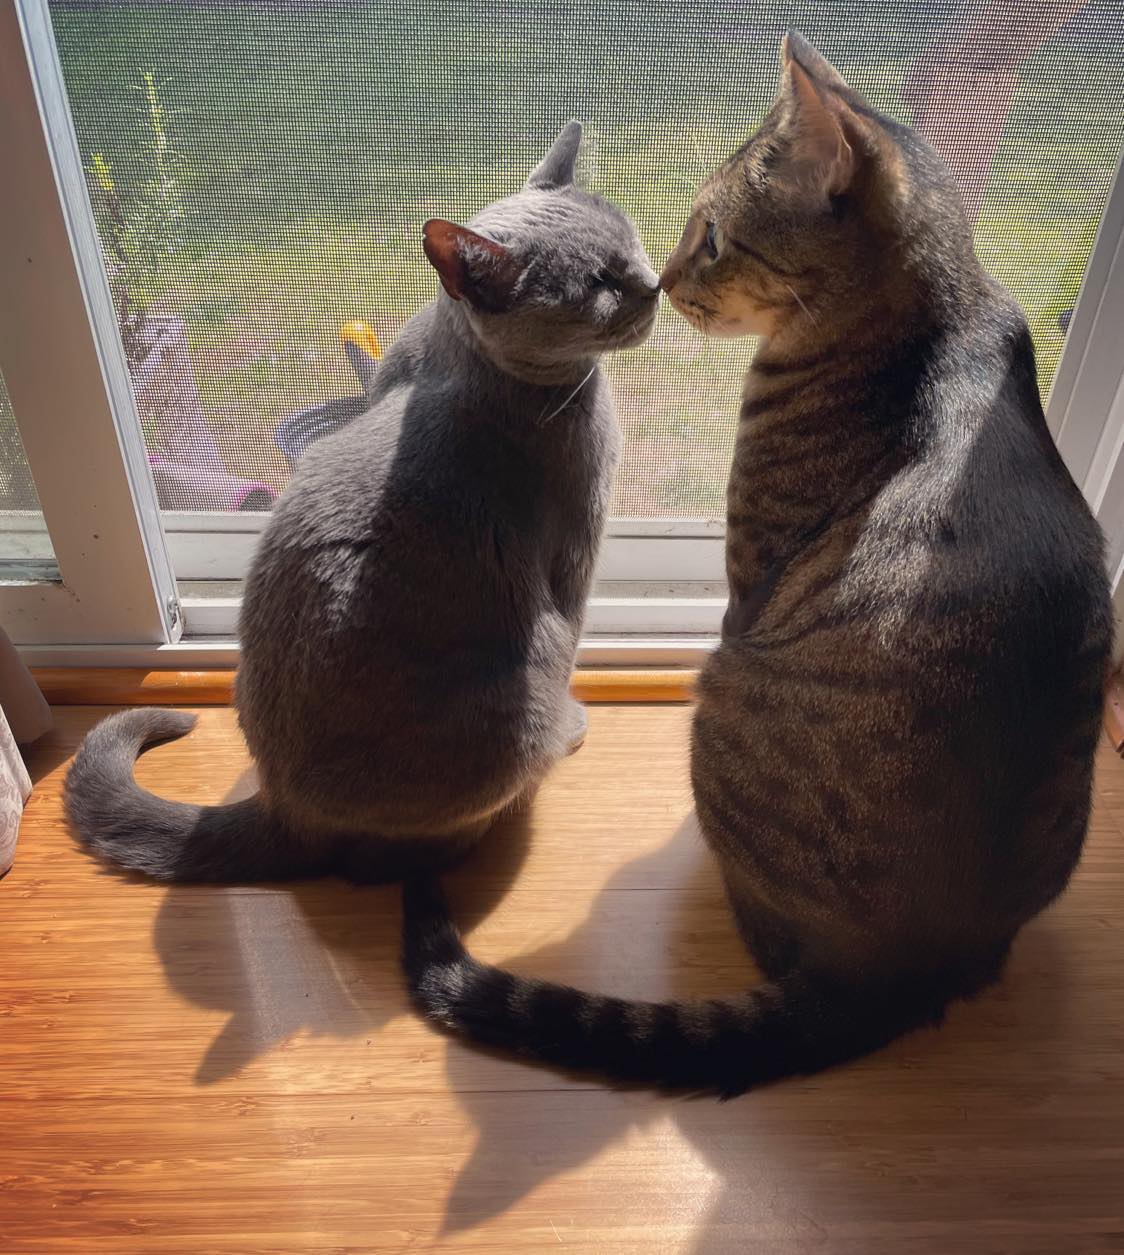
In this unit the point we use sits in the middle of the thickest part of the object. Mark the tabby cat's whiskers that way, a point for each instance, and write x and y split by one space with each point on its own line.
699 154
796 296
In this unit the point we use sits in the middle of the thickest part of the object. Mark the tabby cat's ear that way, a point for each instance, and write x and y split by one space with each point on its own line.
826 130
834 147
794 47
557 168
471 267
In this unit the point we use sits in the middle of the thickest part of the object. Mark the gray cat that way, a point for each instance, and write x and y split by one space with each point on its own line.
411 618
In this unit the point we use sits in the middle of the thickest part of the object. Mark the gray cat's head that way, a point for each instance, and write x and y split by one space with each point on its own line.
551 277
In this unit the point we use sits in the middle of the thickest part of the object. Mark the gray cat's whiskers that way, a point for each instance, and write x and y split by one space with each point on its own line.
554 413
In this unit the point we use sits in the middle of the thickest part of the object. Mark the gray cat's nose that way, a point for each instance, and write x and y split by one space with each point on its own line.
649 281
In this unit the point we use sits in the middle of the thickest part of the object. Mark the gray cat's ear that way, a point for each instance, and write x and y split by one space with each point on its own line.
557 168
471 267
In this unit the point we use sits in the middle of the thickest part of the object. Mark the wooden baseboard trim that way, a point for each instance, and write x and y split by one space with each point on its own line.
133 686
640 685
136 686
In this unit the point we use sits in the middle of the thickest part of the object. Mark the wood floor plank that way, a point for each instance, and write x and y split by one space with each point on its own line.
237 1070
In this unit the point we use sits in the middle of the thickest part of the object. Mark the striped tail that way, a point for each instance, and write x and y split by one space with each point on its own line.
798 1024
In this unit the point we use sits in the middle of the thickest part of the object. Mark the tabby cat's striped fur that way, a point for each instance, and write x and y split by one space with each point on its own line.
893 746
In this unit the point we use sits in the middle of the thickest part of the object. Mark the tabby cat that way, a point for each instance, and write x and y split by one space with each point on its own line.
894 741
410 621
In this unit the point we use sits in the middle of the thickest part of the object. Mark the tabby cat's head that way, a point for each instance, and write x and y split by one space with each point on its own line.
550 278
830 213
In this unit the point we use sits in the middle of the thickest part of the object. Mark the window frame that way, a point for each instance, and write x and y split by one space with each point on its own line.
1085 411
64 368
652 576
210 545
659 591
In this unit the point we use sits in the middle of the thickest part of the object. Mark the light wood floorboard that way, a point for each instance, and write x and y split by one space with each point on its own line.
237 1070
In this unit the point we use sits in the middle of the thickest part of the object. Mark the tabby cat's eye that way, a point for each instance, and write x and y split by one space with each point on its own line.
711 239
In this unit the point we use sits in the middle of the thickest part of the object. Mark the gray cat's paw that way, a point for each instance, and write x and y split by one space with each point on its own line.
578 726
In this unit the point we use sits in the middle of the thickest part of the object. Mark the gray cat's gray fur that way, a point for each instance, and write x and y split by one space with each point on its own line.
411 618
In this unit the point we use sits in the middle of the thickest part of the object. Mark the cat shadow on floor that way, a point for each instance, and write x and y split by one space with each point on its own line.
753 1163
319 957
322 958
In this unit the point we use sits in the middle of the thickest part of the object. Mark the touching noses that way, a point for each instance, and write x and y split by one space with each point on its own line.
676 265
672 272
650 282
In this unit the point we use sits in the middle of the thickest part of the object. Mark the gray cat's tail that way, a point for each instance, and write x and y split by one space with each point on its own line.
136 829
795 1025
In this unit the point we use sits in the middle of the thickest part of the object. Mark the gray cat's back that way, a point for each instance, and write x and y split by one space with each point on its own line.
406 572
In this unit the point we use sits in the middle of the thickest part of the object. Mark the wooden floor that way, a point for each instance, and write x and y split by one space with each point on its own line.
237 1070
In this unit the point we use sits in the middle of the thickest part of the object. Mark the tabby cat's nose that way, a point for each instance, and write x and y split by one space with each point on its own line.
670 276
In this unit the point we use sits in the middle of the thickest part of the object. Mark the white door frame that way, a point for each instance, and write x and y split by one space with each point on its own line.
1079 411
1086 409
62 362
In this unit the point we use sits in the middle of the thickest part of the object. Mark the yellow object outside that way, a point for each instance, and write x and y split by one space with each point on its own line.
103 174
362 336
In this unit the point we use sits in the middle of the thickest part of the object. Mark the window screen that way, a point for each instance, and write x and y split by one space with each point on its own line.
17 489
260 172
22 533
